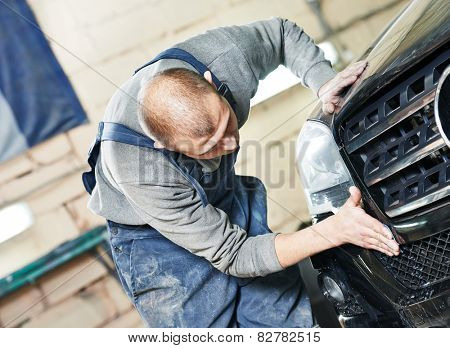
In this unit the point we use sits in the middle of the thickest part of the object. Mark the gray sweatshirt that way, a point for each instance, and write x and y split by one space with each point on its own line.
138 186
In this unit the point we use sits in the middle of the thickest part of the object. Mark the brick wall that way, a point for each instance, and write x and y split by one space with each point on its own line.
99 44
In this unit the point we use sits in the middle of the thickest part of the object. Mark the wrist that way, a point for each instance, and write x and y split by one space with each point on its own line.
328 229
321 90
318 76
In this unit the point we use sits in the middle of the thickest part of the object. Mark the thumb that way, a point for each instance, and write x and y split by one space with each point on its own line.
328 108
355 197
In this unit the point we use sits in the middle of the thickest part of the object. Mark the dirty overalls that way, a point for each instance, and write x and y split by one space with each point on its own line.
170 286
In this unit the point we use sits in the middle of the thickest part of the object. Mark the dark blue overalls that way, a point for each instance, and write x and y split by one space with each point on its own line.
170 286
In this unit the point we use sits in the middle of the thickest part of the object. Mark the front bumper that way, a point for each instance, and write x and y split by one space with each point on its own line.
374 298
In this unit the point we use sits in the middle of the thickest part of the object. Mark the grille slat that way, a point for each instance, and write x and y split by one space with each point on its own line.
396 104
417 182
421 263
400 153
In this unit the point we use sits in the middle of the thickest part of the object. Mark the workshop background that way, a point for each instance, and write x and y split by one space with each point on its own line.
99 44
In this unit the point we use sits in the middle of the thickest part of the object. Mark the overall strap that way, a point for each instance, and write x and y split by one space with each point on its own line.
122 134
111 131
178 53
89 180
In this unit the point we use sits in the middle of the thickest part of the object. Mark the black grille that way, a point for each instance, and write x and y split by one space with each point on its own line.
415 133
395 145
397 151
429 175
421 263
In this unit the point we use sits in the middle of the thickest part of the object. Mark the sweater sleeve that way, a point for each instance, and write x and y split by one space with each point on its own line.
267 44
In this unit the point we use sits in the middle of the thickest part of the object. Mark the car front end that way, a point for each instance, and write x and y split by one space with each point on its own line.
390 139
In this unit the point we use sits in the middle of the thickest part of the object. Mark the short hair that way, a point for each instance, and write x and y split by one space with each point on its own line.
172 103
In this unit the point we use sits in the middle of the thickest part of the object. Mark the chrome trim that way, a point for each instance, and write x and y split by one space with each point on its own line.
406 161
389 122
436 102
432 197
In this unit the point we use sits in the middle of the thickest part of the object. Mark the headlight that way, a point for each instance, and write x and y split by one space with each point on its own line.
322 171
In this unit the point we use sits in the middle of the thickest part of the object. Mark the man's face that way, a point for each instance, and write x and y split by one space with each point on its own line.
224 140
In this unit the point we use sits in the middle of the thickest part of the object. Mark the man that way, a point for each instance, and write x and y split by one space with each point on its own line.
190 238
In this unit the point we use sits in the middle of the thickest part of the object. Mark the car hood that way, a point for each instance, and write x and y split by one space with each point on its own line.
419 29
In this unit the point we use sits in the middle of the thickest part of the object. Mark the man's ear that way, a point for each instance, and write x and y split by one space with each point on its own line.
158 145
207 75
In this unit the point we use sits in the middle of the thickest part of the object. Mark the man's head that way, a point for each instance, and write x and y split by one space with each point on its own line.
183 112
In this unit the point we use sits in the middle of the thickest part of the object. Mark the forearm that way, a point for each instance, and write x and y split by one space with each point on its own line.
267 44
304 58
294 247
202 230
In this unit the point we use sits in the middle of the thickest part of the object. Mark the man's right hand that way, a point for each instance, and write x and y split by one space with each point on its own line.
352 225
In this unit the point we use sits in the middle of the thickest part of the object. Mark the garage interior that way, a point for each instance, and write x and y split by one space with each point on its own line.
57 272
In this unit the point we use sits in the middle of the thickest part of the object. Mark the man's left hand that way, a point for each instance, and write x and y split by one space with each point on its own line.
330 92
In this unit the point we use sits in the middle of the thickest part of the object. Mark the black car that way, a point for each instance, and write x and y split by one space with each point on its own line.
390 139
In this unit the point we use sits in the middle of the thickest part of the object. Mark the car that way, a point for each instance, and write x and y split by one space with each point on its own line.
390 138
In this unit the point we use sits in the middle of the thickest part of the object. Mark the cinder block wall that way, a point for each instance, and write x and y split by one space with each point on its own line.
99 44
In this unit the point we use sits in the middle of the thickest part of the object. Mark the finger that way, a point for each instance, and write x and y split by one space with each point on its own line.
328 108
355 66
344 83
354 191
360 70
358 64
355 197
340 85
337 108
352 72
376 226
334 99
387 231
381 250
373 242
389 243
354 69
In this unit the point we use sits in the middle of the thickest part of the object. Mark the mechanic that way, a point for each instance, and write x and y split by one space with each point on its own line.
189 238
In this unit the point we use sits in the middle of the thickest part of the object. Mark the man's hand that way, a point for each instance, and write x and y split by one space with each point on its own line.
352 225
330 92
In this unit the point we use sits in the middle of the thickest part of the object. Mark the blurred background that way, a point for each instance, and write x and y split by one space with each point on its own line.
55 270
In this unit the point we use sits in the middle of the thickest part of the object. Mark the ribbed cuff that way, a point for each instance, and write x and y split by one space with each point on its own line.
270 261
318 75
